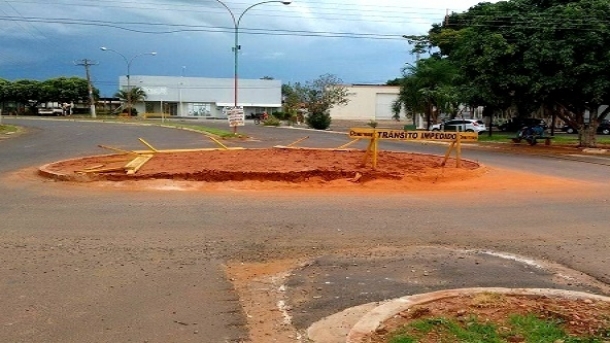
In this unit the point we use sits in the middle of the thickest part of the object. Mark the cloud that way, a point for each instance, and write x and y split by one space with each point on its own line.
358 40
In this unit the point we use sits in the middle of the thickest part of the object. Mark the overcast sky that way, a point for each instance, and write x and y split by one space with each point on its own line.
359 41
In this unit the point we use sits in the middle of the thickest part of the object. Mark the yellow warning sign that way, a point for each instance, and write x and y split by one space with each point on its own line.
375 135
366 133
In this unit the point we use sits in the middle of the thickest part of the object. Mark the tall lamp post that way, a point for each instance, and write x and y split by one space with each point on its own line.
236 46
128 62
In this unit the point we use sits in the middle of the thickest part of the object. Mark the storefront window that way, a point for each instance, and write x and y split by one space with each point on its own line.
199 110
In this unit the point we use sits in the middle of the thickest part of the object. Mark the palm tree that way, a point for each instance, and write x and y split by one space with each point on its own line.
134 95
425 86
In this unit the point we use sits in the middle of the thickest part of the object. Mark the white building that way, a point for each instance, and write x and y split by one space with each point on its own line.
203 97
368 102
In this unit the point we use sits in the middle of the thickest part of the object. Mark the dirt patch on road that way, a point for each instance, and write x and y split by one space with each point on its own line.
270 293
278 165
303 170
261 293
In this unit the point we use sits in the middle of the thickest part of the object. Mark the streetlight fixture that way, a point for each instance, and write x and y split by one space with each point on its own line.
128 62
236 47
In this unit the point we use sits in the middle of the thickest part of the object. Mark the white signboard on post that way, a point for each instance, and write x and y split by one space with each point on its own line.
236 116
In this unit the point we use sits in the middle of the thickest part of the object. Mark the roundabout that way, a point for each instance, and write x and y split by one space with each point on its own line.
291 166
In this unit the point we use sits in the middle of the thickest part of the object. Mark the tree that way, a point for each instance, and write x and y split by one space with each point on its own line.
319 96
132 96
63 89
394 82
31 93
534 53
5 87
26 93
291 102
428 87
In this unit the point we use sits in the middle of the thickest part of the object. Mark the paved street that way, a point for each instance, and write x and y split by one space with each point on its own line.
88 264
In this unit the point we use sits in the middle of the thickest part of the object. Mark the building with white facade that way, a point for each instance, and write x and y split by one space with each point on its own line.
203 97
368 102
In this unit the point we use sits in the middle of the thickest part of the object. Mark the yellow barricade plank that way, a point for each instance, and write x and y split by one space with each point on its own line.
374 135
388 134
137 163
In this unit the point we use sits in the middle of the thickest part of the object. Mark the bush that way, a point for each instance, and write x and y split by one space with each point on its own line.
372 123
134 111
280 115
8 110
271 121
319 120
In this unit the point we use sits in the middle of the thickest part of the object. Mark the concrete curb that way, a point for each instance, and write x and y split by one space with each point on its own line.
369 323
334 328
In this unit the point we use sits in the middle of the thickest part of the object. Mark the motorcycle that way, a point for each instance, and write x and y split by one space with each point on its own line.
530 134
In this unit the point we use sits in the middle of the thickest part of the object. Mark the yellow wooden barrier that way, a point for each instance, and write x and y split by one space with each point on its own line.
374 135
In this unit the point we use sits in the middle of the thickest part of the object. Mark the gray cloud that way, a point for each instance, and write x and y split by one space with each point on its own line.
293 43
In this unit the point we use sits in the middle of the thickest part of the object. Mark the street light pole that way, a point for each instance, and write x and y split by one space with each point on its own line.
236 46
128 62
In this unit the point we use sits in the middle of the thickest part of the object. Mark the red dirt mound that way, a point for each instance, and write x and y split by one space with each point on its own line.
286 165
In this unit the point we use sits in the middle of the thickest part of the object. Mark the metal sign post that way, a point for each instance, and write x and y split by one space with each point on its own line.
236 117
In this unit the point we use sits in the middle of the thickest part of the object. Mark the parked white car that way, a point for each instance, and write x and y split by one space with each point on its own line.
436 127
463 125
50 111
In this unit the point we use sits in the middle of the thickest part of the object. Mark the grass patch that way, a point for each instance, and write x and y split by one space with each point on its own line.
135 120
217 132
7 129
518 328
560 139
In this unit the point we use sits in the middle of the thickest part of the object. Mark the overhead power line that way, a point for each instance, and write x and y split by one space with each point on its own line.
176 28
21 26
210 4
352 13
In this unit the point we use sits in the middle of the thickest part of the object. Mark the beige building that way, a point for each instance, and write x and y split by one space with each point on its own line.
368 102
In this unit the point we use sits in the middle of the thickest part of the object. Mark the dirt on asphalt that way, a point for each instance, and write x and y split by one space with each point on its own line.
264 165
270 309
125 279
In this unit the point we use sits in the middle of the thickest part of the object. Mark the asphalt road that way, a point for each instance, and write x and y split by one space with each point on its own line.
83 264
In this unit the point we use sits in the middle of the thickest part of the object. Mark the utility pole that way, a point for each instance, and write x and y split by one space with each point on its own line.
87 63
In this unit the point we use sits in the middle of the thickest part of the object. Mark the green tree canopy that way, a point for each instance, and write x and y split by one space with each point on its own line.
291 100
533 53
319 96
25 92
4 90
134 95
33 92
63 89
322 94
428 87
